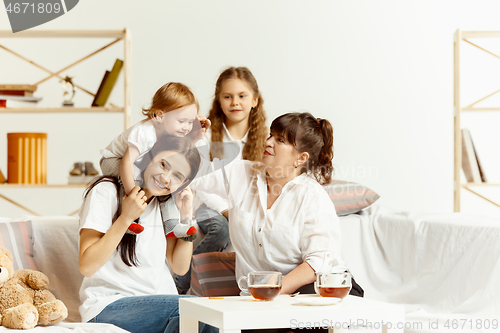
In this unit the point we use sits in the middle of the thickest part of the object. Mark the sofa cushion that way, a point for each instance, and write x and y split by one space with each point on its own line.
55 251
17 237
212 274
349 197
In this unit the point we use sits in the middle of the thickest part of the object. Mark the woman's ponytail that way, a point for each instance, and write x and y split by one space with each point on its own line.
311 135
325 157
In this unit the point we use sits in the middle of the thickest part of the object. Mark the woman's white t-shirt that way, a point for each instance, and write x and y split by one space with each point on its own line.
114 279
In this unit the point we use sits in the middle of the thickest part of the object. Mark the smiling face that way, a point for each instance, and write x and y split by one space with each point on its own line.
166 173
236 100
280 157
179 122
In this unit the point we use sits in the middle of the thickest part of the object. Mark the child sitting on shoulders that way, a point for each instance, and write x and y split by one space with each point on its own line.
173 111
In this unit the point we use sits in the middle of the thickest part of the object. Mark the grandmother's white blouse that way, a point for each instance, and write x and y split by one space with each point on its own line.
301 226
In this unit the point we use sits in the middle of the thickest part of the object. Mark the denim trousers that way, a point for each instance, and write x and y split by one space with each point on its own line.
216 230
146 314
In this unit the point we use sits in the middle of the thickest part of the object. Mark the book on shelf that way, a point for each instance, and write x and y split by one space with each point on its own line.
470 163
107 84
481 170
2 178
100 88
10 101
17 89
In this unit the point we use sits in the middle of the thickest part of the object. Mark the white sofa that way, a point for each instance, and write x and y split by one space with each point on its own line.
441 267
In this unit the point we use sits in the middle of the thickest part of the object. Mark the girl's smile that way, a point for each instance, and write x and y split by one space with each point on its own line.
166 173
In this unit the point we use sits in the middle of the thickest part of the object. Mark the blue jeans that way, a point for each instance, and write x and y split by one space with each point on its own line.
216 230
146 314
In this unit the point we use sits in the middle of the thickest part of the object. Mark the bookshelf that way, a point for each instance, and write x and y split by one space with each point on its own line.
116 36
460 38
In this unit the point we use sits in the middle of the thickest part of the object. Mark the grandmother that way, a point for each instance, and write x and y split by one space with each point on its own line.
280 217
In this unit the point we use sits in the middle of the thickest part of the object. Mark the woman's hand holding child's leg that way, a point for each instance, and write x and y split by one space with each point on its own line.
133 206
184 201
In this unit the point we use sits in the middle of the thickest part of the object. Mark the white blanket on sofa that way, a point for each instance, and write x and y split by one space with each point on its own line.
444 266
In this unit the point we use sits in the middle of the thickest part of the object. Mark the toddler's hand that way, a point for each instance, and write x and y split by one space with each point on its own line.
199 132
184 201
134 204
205 123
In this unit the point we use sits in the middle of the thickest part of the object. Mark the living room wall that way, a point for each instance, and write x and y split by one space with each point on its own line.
380 71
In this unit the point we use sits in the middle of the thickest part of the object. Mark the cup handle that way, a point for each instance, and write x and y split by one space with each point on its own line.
316 288
240 280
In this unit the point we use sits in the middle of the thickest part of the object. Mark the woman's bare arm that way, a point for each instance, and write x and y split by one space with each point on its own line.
298 277
179 255
96 248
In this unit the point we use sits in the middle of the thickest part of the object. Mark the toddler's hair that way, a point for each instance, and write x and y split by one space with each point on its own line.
257 130
169 97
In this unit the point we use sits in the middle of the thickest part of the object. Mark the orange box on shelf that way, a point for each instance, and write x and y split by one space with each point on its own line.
27 158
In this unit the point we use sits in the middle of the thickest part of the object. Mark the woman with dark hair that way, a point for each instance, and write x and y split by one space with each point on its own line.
280 218
127 280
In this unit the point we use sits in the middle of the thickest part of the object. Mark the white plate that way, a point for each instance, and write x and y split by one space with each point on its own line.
316 300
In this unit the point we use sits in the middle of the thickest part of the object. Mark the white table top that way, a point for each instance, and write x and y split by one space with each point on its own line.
237 312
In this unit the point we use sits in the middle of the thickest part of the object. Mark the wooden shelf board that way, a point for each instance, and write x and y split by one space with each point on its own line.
479 34
40 185
479 109
67 110
479 184
63 34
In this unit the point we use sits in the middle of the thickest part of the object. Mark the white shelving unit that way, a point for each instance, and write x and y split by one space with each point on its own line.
116 36
460 38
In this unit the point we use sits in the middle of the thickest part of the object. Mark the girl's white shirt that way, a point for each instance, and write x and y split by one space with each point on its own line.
114 279
301 226
142 135
207 166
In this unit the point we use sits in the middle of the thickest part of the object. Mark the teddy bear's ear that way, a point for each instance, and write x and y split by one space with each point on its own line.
5 252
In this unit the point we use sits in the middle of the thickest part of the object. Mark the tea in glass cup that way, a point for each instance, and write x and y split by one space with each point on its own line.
264 286
333 284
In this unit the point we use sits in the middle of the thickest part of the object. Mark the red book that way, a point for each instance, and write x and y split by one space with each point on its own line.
16 92
3 103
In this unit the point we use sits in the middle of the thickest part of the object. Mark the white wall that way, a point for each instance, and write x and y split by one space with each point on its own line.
380 71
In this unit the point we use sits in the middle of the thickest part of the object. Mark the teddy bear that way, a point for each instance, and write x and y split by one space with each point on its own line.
24 298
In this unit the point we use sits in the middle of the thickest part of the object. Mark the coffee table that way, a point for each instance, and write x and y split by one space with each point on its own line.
232 314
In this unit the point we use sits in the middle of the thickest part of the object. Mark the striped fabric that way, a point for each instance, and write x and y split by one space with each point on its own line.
17 238
349 197
212 274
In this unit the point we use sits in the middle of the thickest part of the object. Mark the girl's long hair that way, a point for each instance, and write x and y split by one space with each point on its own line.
257 130
166 143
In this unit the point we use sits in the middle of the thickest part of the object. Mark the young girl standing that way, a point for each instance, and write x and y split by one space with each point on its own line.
173 111
238 120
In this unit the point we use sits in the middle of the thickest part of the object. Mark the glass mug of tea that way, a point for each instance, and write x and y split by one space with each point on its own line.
262 285
333 284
